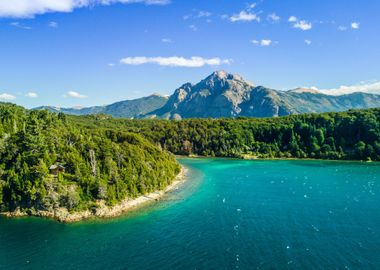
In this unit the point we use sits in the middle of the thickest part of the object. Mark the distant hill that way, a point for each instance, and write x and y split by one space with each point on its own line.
126 109
226 95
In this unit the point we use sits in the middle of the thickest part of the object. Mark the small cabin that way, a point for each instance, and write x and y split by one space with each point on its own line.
57 169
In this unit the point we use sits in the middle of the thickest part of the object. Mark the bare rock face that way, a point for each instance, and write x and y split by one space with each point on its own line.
226 95
219 95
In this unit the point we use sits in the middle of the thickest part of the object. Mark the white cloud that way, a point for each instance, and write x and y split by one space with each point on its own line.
30 8
342 28
262 43
193 27
202 14
74 94
19 25
252 6
366 87
303 25
111 64
31 95
166 40
6 96
244 16
308 41
355 25
265 42
175 61
53 24
273 17
292 19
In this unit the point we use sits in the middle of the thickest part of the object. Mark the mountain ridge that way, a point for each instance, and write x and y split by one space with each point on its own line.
225 95
222 94
126 108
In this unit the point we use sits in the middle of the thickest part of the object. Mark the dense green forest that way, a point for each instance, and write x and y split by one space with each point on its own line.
98 164
112 159
352 135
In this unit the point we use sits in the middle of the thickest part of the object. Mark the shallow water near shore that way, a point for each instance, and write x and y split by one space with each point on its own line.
229 214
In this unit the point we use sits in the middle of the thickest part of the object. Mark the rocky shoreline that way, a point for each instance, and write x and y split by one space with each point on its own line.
103 211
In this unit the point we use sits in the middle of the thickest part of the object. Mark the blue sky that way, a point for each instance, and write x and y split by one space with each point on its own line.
94 52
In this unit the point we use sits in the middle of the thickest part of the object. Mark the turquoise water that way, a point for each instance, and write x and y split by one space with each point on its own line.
230 214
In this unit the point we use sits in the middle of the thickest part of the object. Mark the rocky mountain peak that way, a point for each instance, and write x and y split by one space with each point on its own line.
223 94
223 76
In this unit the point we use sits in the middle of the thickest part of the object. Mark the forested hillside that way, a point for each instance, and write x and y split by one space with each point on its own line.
96 164
101 158
352 135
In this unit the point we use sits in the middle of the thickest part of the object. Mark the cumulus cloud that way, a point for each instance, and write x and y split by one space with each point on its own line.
273 17
74 94
262 43
6 96
300 24
175 61
252 6
308 41
372 87
30 8
53 24
355 25
342 28
31 95
292 19
244 16
303 25
202 14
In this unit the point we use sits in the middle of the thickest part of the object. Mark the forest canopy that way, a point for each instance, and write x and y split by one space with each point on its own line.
50 160
352 135
96 164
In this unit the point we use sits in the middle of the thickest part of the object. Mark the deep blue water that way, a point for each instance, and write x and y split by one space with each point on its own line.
230 214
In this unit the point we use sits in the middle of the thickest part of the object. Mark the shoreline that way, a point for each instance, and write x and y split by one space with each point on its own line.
104 211
278 159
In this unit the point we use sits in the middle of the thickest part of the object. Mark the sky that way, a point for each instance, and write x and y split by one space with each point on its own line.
94 52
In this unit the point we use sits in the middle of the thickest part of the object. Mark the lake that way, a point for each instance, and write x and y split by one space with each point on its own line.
230 214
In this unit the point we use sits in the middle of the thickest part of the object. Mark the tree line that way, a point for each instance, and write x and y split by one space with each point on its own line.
99 164
351 135
113 159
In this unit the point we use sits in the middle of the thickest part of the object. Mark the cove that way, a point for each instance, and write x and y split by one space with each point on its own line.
229 214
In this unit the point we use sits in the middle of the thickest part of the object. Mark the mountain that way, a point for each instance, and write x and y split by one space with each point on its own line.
219 95
226 95
126 109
